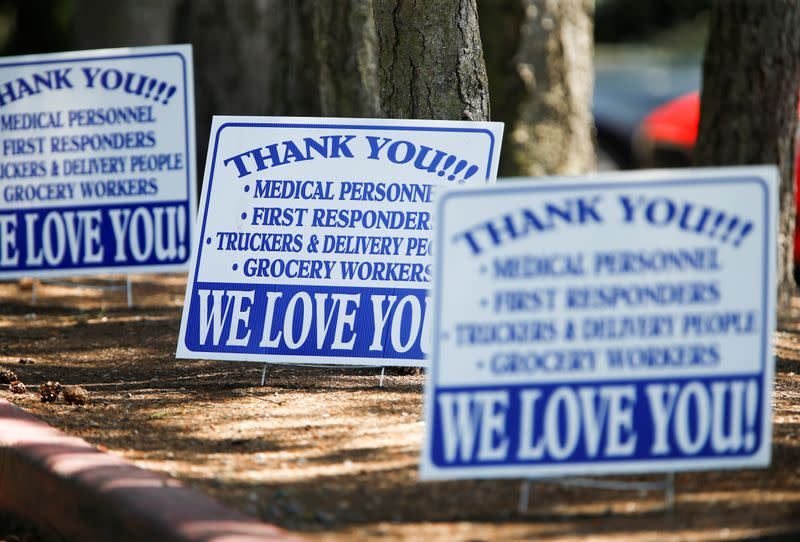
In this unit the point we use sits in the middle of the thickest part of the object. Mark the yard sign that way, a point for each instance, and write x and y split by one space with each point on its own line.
314 237
608 324
97 173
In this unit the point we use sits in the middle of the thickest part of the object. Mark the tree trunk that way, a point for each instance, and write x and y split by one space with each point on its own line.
122 23
748 113
346 54
431 60
539 54
430 65
245 60
273 57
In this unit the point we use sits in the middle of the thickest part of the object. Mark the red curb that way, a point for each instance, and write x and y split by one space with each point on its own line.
66 485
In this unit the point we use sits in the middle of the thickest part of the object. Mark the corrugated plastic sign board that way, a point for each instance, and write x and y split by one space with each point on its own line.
314 237
610 324
98 164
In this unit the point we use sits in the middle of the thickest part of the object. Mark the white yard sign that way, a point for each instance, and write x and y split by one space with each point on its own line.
97 172
314 237
612 324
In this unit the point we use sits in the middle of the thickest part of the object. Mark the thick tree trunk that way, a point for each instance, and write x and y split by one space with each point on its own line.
431 60
273 57
539 54
245 59
346 53
122 23
748 114
430 65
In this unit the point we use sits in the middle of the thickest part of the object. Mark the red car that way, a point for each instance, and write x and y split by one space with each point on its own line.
667 136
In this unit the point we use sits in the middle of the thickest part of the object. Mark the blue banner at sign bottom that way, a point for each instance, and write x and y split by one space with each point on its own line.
109 237
315 321
597 422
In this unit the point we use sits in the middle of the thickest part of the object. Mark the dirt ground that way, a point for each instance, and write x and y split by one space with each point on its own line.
329 454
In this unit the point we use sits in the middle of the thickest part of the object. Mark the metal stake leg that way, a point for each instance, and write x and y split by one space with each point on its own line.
129 288
264 375
380 384
33 293
669 491
524 494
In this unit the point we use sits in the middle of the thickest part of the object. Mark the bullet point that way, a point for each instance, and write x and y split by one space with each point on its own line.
484 302
483 270
479 364
445 336
247 188
235 266
208 240
244 216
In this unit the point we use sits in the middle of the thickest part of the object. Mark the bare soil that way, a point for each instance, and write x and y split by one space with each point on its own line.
329 454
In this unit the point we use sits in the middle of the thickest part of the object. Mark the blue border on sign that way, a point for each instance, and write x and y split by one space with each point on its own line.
189 165
202 234
447 196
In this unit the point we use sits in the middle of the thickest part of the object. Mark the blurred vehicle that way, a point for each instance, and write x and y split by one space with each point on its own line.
628 87
666 138
667 135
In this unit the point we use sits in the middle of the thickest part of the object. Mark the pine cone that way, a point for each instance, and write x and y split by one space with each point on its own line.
49 392
7 376
75 395
17 387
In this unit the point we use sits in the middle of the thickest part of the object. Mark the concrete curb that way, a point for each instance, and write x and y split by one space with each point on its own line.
70 488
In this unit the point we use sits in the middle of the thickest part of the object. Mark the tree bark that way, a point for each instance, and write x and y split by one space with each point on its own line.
272 57
245 60
748 113
346 54
122 23
431 60
539 54
431 65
